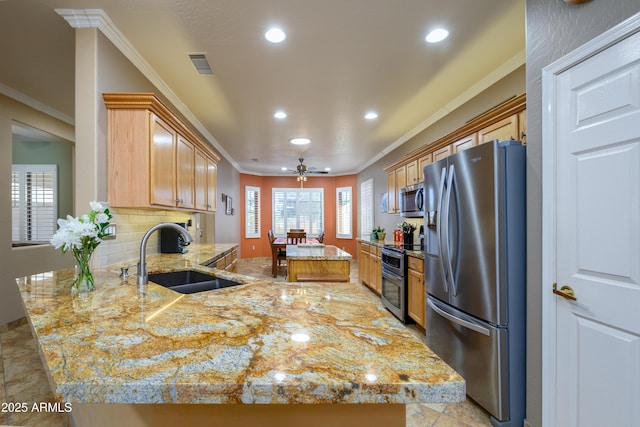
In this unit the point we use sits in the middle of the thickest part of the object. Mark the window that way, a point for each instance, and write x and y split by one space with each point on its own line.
298 208
344 208
33 203
252 205
366 211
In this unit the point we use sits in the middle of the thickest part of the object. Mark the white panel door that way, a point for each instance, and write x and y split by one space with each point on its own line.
598 239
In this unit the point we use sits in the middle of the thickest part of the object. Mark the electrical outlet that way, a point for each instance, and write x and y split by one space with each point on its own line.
110 232
254 247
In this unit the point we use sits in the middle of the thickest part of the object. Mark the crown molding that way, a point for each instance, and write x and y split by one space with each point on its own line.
97 18
35 104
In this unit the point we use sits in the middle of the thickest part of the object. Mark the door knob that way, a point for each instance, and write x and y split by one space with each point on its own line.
565 292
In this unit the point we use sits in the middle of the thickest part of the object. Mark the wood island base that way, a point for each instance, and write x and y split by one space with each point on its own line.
172 415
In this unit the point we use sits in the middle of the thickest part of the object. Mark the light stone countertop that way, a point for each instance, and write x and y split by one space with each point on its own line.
316 252
244 344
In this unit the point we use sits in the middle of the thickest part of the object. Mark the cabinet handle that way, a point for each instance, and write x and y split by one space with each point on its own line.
179 201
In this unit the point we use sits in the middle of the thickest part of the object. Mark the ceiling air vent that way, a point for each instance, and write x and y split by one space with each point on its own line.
200 62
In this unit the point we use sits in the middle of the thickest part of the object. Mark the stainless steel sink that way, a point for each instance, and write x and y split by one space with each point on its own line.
190 281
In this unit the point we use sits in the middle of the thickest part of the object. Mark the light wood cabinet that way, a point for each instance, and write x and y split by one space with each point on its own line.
465 143
413 173
370 266
375 269
363 268
153 159
391 192
396 180
503 130
442 153
212 185
205 183
416 295
200 181
185 174
163 167
423 161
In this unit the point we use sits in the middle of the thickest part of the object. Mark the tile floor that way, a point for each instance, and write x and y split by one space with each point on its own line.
24 379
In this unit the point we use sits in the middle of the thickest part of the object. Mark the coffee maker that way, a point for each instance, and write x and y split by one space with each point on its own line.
171 241
421 235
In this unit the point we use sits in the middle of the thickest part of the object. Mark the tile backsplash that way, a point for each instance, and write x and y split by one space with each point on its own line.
131 225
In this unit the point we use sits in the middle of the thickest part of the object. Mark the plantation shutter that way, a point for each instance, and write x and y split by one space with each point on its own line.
252 212
33 203
344 209
366 211
298 208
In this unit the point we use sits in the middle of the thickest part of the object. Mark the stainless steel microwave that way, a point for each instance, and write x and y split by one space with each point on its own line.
412 201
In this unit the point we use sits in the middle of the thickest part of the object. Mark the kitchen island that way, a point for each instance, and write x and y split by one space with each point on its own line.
317 263
261 353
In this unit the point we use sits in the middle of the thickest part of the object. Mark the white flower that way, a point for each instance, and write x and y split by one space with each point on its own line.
102 218
96 206
83 233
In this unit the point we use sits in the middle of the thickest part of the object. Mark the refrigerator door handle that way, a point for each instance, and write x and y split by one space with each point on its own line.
439 230
450 185
458 321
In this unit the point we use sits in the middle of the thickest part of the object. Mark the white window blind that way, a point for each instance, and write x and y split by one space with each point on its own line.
366 210
344 209
34 195
252 204
298 208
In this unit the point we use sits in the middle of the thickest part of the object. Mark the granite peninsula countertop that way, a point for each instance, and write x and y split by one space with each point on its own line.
259 343
312 251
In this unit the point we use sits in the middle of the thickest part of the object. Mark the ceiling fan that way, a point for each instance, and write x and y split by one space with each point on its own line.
302 170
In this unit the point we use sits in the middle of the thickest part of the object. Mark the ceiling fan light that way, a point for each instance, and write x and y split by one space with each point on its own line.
300 141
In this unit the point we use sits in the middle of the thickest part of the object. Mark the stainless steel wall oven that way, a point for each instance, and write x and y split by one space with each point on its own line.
394 283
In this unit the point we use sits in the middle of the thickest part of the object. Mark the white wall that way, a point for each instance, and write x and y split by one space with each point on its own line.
554 28
18 262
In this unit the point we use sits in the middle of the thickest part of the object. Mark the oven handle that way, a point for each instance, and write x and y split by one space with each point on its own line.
443 179
457 320
391 275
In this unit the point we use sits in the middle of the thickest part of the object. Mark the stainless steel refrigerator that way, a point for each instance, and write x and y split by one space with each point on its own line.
475 272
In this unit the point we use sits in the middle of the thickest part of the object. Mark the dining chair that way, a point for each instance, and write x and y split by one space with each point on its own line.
278 253
296 237
320 237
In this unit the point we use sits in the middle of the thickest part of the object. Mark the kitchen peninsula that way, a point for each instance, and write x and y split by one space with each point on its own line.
235 356
317 263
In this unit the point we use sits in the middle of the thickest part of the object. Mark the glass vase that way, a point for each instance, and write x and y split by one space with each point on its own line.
82 277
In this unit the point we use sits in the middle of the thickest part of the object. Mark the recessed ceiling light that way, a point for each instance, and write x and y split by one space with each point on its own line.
300 141
371 115
283 168
437 35
275 35
280 115
327 169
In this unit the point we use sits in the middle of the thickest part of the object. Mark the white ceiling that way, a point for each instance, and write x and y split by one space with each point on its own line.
341 59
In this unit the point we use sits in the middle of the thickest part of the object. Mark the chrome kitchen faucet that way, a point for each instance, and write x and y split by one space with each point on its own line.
143 276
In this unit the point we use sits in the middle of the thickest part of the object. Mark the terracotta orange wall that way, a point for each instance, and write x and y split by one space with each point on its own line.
259 247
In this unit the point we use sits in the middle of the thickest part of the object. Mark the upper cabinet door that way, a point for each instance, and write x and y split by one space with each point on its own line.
185 176
201 181
212 178
163 168
503 130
